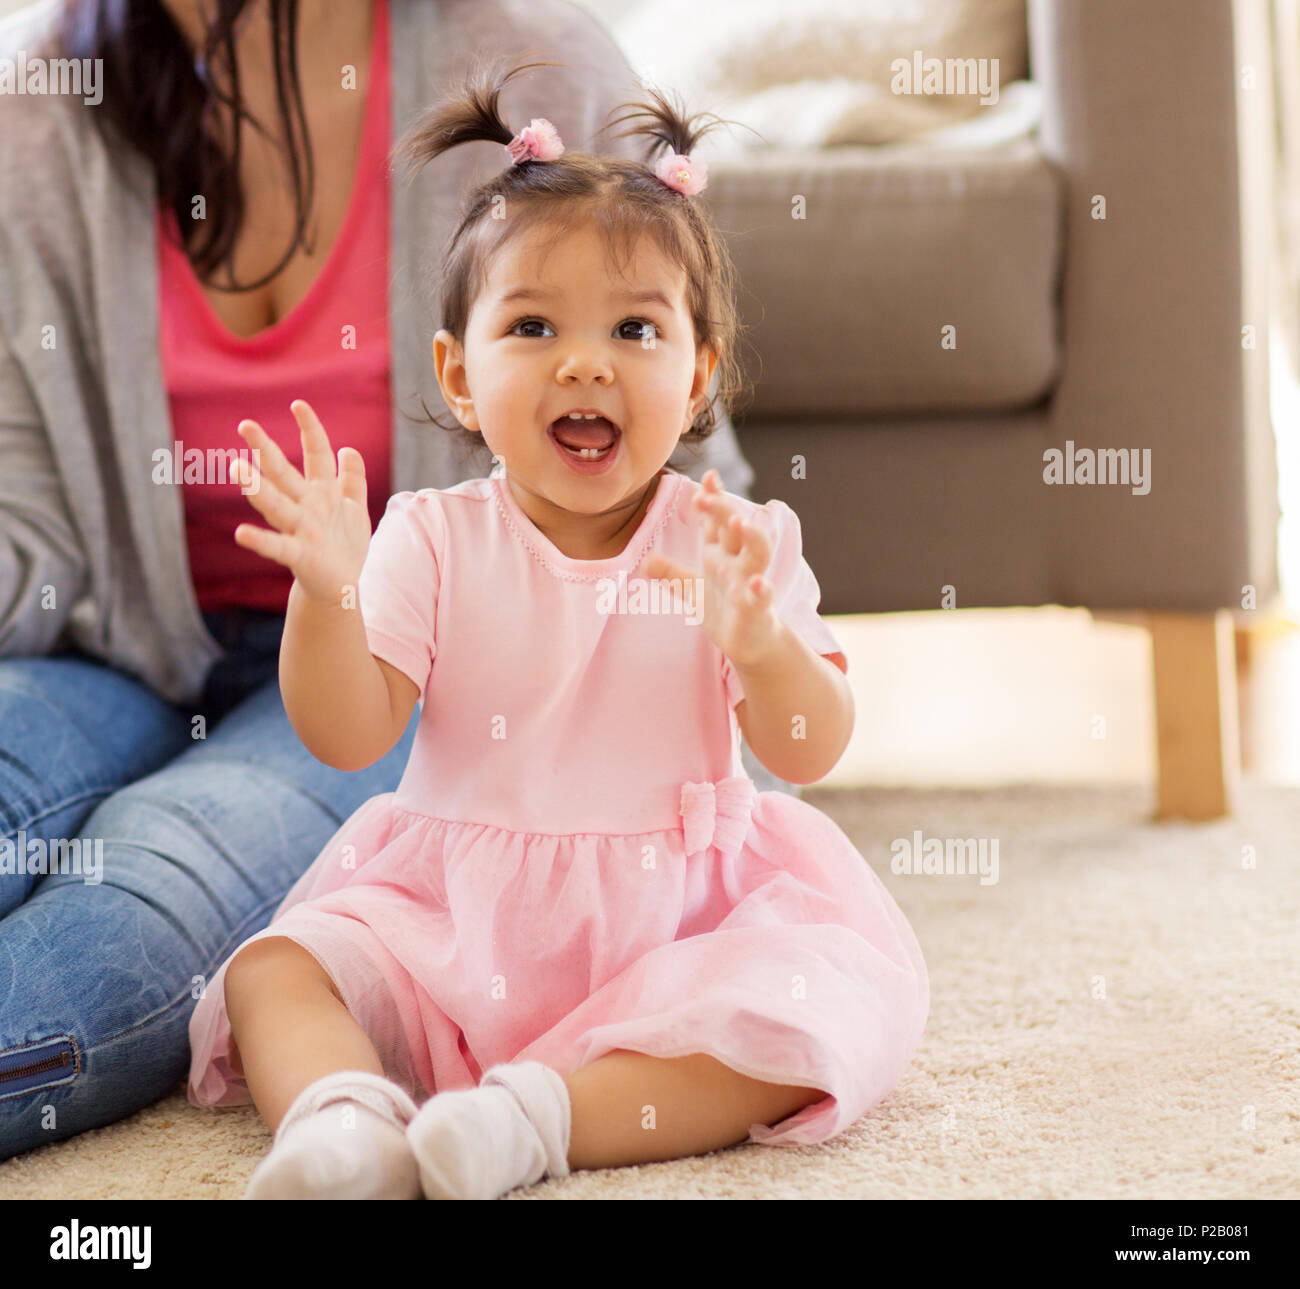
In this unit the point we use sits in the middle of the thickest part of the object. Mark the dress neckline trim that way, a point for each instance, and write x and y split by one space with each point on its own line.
556 561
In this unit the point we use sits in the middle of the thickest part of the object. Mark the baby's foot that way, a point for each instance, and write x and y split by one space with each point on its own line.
344 1137
479 1143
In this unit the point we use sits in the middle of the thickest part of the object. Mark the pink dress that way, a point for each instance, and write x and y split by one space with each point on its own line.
574 860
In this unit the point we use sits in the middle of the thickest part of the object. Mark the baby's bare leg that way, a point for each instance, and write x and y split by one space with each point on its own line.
629 1108
289 1024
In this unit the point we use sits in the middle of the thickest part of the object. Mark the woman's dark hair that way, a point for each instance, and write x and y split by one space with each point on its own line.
158 98
623 198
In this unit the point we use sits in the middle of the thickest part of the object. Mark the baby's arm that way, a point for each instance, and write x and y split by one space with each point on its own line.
797 709
348 707
797 713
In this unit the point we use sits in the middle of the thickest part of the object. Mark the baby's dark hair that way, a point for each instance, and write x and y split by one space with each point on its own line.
624 198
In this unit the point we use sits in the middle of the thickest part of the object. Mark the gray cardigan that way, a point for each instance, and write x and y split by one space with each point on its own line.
91 549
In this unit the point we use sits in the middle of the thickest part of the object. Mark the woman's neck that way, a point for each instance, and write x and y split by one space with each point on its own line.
330 34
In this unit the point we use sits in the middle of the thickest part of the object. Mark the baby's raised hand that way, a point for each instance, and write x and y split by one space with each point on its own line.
322 520
737 610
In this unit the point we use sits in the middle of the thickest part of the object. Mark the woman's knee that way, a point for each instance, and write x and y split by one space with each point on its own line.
182 850
44 709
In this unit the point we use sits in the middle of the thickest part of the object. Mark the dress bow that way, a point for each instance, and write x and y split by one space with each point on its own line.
716 814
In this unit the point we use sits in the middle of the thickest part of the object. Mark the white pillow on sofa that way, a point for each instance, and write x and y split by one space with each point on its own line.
821 73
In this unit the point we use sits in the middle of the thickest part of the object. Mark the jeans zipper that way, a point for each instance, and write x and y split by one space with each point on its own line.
36 1067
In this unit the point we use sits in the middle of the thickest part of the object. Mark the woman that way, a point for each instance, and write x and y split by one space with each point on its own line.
164 273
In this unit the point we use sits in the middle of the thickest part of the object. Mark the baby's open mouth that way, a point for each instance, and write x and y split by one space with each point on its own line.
588 438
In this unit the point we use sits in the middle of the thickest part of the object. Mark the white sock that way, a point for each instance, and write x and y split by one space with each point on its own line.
344 1137
479 1143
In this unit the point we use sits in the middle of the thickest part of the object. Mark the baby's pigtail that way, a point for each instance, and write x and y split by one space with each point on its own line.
469 115
667 124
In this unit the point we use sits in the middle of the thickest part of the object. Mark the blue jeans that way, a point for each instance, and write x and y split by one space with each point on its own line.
195 836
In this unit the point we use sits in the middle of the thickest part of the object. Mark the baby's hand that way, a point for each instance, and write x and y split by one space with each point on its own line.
737 612
323 523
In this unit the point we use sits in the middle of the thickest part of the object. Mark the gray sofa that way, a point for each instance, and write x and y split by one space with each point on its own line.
924 464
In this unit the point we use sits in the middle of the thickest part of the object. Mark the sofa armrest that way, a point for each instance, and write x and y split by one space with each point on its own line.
1147 106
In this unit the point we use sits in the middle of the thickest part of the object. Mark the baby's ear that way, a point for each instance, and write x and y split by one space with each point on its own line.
449 365
706 363
445 346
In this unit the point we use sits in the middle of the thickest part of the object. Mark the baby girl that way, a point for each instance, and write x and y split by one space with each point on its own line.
576 935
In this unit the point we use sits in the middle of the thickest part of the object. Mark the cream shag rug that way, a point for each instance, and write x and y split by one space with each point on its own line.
1115 1017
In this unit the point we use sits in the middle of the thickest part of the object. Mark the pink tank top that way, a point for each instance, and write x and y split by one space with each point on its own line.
332 349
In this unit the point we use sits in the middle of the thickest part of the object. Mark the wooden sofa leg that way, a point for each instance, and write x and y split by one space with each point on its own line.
1198 743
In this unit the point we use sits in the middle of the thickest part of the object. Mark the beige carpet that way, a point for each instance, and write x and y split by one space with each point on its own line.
1182 1081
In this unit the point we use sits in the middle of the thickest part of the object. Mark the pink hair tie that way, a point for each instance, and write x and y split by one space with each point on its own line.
538 139
680 172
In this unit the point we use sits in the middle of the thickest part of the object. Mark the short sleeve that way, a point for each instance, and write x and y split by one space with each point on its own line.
797 593
398 588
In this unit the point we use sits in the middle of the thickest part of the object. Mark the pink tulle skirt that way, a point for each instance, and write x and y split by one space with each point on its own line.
755 932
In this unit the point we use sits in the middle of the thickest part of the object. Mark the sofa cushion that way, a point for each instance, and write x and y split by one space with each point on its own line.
845 308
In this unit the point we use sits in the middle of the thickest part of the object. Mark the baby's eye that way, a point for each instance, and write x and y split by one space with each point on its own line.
528 322
645 330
